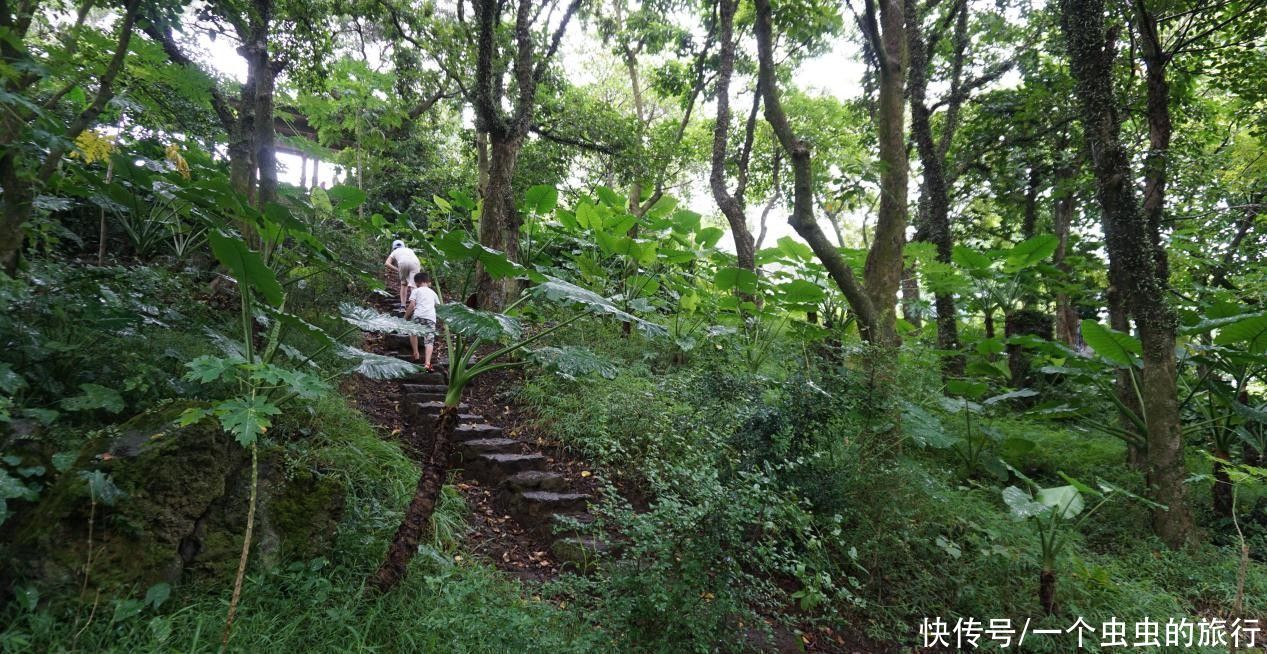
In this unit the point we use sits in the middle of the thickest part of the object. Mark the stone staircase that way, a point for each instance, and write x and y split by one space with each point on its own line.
540 500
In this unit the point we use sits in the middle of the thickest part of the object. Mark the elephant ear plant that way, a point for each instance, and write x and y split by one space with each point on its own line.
466 331
1056 512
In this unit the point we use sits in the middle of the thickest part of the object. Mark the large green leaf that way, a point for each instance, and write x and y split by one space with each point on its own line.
709 236
1066 500
925 428
794 249
1114 346
662 207
1021 504
247 267
372 321
970 259
1013 395
246 417
457 247
1030 251
347 197
474 323
739 279
800 291
572 362
556 290
685 221
1252 331
94 396
377 366
541 199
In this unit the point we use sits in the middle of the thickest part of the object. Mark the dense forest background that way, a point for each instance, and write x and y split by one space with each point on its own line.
769 325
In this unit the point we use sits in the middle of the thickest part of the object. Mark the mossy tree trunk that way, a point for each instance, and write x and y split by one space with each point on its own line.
1138 257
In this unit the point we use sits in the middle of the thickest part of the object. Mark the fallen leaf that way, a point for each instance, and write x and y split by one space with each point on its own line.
585 473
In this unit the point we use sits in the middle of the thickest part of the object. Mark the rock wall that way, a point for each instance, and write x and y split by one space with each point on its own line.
182 512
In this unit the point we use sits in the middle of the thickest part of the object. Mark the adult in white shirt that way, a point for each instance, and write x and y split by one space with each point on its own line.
405 263
422 308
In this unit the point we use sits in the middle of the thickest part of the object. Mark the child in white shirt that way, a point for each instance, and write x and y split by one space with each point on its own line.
422 307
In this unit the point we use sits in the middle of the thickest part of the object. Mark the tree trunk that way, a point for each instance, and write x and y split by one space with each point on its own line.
883 272
731 205
417 517
17 200
934 200
1067 331
1047 591
500 220
265 81
1131 245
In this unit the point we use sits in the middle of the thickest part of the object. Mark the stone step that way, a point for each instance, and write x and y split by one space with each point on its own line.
413 398
535 509
530 480
414 412
434 378
470 449
476 430
491 469
398 343
424 388
470 418
581 552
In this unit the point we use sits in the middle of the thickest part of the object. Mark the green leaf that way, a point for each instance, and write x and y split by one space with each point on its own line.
372 321
10 381
347 197
157 594
641 285
662 207
541 199
610 197
571 362
101 486
377 366
801 291
1021 504
972 390
473 323
62 461
92 397
970 259
988 346
1024 392
246 266
685 221
557 290
925 428
1252 331
709 236
206 368
794 249
1030 251
740 279
1112 345
1066 500
246 417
